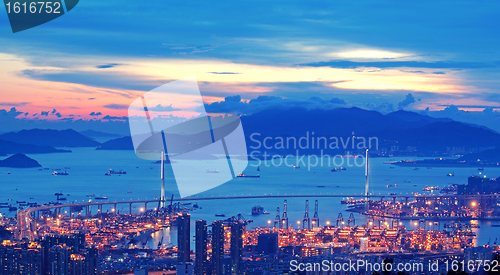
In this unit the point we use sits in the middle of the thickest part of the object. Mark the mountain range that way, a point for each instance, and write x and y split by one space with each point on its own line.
401 128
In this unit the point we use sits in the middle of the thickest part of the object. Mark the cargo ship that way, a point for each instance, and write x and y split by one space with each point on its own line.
241 175
257 210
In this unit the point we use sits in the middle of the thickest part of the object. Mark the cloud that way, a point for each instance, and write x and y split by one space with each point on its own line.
91 98
53 111
12 104
223 73
108 117
116 106
346 64
160 108
234 104
106 66
13 112
407 101
95 114
43 113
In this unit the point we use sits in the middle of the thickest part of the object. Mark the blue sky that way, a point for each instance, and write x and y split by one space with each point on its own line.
369 54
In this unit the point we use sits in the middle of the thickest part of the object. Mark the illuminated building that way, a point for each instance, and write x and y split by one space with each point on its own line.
237 231
217 247
201 248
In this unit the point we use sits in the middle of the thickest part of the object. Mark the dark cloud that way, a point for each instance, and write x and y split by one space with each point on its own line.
58 114
233 104
106 66
407 101
160 108
13 112
383 108
95 114
14 104
53 111
108 117
346 64
43 113
116 106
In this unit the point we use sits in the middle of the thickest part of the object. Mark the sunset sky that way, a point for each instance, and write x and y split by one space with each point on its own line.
386 55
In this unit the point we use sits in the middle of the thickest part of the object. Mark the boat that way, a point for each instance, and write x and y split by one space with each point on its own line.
220 215
451 174
321 186
265 213
257 210
342 168
55 173
393 194
213 171
296 167
495 225
101 198
480 169
113 172
129 192
61 199
58 194
20 202
8 172
258 168
334 170
391 167
241 175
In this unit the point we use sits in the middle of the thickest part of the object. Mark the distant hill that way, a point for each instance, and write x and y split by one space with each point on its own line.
19 161
93 134
399 128
9 147
54 138
123 143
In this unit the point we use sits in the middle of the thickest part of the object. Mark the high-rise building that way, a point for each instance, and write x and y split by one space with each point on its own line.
267 243
217 247
183 238
237 231
200 267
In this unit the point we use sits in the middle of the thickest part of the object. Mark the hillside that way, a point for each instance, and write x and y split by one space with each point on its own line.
54 138
19 161
9 147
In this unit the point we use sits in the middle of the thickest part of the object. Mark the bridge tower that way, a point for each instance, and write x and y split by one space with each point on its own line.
367 183
277 218
315 219
306 218
162 175
284 218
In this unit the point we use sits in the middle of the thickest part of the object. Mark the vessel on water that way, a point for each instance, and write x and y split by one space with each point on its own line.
55 173
220 215
257 210
241 175
213 171
451 174
113 172
101 198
